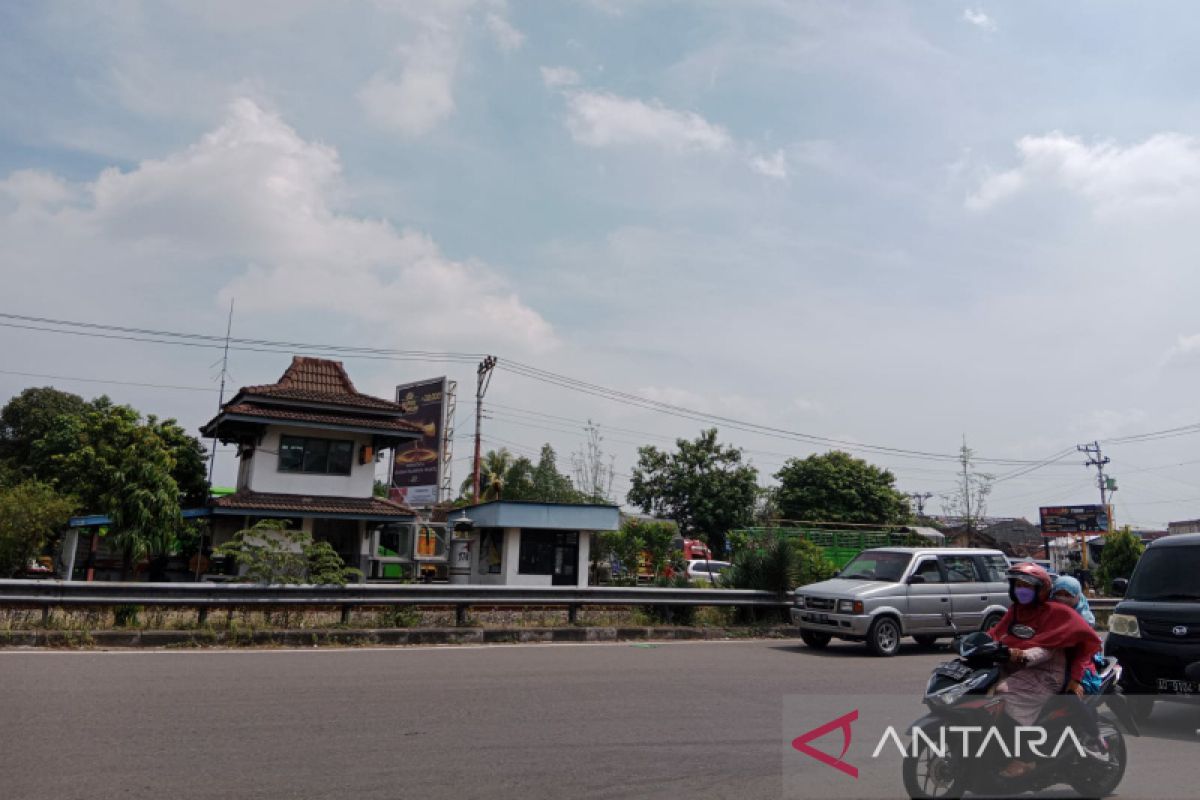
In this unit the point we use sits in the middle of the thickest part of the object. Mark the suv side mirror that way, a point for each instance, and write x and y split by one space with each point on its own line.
1192 672
915 579
1119 585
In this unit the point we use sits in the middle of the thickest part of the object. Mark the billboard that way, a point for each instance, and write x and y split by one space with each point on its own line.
1075 519
417 465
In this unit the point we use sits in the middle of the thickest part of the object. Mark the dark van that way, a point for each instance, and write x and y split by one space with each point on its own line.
1155 630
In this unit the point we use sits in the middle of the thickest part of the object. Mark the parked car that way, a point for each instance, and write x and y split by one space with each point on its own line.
705 571
1154 631
887 593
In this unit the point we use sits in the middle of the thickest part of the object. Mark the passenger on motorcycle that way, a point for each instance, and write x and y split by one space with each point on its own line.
1048 643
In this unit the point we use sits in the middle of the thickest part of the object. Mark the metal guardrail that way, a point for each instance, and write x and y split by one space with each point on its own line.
202 596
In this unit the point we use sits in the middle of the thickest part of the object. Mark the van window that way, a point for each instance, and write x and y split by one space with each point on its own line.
995 568
876 565
929 570
1166 573
960 569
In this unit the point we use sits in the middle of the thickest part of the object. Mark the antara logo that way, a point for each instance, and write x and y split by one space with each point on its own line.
843 723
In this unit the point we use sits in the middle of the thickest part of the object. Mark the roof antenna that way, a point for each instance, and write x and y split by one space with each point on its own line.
212 456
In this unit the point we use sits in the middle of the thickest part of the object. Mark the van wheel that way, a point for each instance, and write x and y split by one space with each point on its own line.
883 637
991 620
815 639
925 640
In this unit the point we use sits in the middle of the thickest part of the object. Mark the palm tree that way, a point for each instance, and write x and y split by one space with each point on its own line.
498 470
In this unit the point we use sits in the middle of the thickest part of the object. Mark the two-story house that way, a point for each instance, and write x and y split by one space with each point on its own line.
307 447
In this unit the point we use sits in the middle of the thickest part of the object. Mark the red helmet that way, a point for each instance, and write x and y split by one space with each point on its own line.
1030 574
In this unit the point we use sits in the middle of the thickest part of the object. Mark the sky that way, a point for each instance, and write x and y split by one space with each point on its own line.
891 224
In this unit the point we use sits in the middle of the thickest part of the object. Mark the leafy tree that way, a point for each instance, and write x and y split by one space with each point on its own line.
705 487
30 514
380 489
190 469
778 564
272 553
837 487
1120 555
548 484
27 418
502 476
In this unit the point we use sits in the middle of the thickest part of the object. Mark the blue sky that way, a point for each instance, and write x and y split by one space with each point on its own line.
890 223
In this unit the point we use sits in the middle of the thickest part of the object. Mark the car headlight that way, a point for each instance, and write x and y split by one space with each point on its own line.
1124 625
850 606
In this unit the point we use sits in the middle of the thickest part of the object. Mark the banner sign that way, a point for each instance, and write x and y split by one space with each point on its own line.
1074 519
417 465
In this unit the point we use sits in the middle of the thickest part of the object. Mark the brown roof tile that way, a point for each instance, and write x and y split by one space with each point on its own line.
319 380
291 415
312 504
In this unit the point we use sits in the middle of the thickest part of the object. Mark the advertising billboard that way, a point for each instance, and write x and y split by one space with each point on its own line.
1074 519
417 465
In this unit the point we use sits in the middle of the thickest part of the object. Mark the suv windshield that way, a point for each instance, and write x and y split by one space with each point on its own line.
1166 573
876 566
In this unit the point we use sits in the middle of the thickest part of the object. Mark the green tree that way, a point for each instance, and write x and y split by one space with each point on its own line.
29 417
703 486
778 564
1120 555
270 552
548 484
837 487
31 514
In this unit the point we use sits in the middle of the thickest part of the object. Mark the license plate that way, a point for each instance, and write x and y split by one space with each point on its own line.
1172 686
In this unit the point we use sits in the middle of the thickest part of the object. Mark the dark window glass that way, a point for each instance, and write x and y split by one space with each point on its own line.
316 456
1166 573
537 553
291 453
994 568
340 454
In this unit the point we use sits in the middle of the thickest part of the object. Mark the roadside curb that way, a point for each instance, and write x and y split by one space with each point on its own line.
343 637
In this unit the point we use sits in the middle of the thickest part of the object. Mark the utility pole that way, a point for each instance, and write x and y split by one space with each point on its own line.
483 379
212 456
919 498
1098 460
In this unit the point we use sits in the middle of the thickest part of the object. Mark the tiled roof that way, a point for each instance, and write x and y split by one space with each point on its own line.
319 380
312 504
267 412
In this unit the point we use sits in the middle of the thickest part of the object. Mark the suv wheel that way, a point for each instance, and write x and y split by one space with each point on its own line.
815 639
883 637
990 621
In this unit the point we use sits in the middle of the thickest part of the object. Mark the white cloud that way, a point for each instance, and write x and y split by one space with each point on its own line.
773 166
255 197
559 77
601 119
507 37
979 19
1161 172
1185 347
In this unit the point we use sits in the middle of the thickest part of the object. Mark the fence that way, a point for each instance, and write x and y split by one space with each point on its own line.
203 596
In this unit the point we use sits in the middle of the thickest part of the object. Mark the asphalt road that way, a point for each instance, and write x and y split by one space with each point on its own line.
679 720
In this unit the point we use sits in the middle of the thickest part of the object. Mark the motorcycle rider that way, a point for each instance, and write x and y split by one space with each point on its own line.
1046 641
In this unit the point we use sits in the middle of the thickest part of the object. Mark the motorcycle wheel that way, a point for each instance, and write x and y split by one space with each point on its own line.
928 775
1104 779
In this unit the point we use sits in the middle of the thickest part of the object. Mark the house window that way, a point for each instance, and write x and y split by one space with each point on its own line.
548 553
315 456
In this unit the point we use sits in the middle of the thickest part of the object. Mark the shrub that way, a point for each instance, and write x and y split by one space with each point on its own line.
271 553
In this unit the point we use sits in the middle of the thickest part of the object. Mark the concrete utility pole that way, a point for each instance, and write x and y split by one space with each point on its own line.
1098 460
212 456
919 499
483 380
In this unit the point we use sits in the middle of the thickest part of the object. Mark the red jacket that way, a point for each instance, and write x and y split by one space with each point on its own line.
1052 626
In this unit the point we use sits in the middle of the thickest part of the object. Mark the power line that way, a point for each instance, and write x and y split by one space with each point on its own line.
107 381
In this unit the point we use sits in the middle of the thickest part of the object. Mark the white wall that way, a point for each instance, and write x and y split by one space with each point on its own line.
264 474
585 554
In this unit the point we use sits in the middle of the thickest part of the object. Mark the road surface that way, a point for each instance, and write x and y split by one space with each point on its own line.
679 720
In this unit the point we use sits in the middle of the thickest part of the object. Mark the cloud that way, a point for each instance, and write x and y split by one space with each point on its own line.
415 94
507 37
1161 172
601 119
254 201
773 166
559 77
979 19
1185 347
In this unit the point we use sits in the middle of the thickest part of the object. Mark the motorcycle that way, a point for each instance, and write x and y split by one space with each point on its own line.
944 761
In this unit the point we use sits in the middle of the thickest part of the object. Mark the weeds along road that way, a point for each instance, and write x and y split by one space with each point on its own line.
676 720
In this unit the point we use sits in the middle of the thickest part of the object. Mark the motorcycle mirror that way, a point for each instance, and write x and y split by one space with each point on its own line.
1192 672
